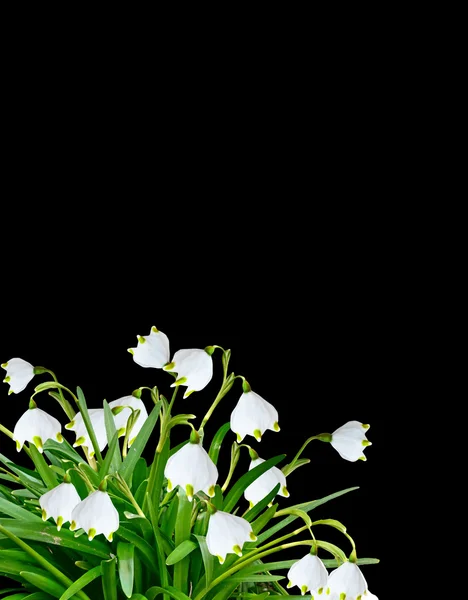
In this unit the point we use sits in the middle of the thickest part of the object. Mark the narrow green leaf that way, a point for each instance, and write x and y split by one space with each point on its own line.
17 596
262 521
218 499
11 566
38 596
110 431
217 441
257 509
172 591
288 469
109 579
138 597
106 465
87 421
331 523
125 553
139 444
297 512
162 568
252 578
180 552
337 552
182 533
42 467
17 512
44 583
139 474
208 559
82 582
169 517
147 552
239 487
63 450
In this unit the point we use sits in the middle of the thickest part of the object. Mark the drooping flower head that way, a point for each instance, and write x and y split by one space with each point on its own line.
194 368
152 350
36 426
263 485
350 440
227 534
309 573
59 503
346 582
192 469
121 418
96 416
253 416
18 374
96 514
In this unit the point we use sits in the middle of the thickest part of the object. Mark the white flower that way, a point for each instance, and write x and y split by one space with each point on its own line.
263 485
59 502
36 426
194 368
18 374
346 579
192 469
227 534
309 573
96 416
369 596
122 417
152 350
253 416
350 440
96 514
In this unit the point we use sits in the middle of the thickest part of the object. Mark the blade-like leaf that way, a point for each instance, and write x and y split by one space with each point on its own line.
208 558
42 467
63 450
15 511
125 553
217 441
180 552
87 421
116 460
82 582
262 521
172 591
44 583
252 578
257 509
239 487
109 579
147 552
139 444
108 461
182 533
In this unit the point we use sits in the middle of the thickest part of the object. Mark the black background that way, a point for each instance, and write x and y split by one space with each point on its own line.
309 335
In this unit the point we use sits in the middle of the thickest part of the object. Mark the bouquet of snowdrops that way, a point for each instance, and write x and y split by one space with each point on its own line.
93 520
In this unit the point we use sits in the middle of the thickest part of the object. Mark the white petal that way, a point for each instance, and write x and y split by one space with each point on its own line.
96 512
252 412
194 364
263 485
347 579
60 501
309 571
369 596
191 465
348 440
20 373
153 352
96 416
122 417
226 531
36 423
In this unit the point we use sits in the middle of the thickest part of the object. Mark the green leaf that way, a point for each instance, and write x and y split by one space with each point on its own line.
305 506
297 512
82 582
288 469
18 596
138 597
172 591
182 533
106 465
139 473
262 521
239 487
15 511
44 583
38 596
125 554
180 552
147 552
332 523
218 500
169 517
217 441
87 421
139 444
63 450
109 579
337 552
43 468
238 578
208 559
257 509
116 459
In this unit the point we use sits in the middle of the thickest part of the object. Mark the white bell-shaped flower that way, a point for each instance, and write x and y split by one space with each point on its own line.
192 469
194 368
350 440
309 573
263 485
59 502
36 426
18 374
152 350
253 416
96 416
347 579
96 514
369 596
122 417
227 534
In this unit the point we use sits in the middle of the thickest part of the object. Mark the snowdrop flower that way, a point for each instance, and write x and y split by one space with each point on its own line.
309 573
350 440
194 369
36 426
96 416
227 534
96 514
263 485
59 502
253 416
18 374
192 469
121 418
346 582
152 350
369 596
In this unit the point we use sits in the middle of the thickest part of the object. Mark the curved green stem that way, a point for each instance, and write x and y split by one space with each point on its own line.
6 431
289 467
66 406
227 384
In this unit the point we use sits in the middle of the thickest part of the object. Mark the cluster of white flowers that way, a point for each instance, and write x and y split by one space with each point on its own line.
190 468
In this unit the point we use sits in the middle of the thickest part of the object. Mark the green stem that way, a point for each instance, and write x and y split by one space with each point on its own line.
6 431
222 392
164 422
288 468
66 406
126 490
